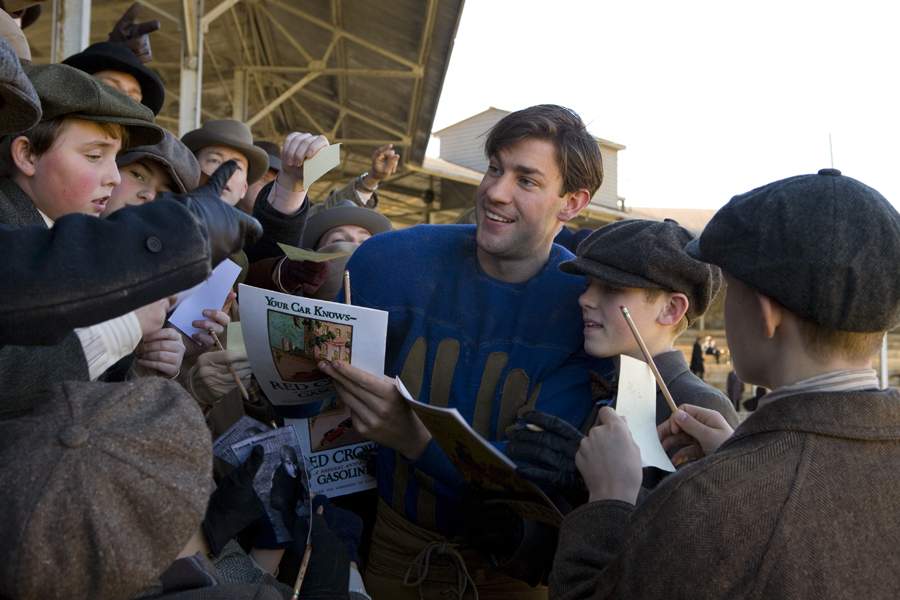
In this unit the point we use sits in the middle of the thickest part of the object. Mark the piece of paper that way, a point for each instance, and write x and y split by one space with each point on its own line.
636 400
287 336
243 428
325 160
235 335
295 253
212 293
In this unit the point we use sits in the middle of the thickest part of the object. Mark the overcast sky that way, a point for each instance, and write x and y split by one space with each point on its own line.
710 98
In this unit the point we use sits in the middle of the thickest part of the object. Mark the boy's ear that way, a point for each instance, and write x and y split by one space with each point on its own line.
772 314
674 309
22 156
574 204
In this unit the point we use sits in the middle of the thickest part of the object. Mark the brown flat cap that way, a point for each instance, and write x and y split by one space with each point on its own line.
638 253
173 156
102 485
20 108
231 134
67 92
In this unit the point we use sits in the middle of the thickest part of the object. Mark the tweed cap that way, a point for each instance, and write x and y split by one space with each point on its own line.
102 486
231 134
20 108
68 92
322 218
825 246
112 56
647 254
173 156
15 37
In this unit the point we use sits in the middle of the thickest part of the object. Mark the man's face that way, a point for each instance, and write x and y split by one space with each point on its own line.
249 199
344 233
517 205
212 157
606 333
78 173
141 181
124 82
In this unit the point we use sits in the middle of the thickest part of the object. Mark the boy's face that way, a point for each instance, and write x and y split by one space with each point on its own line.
344 233
744 330
141 181
78 173
606 333
212 157
124 82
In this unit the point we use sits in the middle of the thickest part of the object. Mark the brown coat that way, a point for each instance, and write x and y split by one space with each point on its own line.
803 501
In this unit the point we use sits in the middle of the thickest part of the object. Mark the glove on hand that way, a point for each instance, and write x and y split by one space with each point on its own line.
545 457
299 277
234 505
343 523
227 229
328 575
212 371
134 35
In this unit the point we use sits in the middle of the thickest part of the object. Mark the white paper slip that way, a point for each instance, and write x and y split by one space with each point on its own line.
636 400
325 160
209 294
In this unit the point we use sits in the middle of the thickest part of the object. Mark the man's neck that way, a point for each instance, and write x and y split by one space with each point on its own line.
512 270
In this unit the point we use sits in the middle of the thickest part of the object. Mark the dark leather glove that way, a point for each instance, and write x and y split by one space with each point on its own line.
546 457
343 523
234 505
328 575
134 35
299 277
227 229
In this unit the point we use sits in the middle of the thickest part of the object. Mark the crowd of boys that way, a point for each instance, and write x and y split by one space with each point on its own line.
107 412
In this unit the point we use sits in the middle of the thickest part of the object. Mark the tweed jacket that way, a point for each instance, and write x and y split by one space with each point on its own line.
25 369
88 270
801 502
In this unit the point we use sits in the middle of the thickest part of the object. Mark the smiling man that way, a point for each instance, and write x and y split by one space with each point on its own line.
481 320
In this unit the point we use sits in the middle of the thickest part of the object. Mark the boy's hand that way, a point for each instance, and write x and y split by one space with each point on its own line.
609 460
379 411
297 149
153 316
543 447
692 433
162 351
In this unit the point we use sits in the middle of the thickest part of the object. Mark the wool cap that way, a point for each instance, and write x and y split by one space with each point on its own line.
68 92
20 108
112 56
231 134
322 218
15 37
825 246
173 156
647 254
102 486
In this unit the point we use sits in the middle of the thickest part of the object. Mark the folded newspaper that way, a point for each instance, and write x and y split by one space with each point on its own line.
481 464
286 337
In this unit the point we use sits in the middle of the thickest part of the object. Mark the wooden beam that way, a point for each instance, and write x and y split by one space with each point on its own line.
281 98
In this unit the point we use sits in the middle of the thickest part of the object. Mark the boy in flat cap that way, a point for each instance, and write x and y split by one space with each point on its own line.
813 285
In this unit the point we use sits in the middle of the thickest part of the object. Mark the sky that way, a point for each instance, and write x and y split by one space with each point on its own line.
711 99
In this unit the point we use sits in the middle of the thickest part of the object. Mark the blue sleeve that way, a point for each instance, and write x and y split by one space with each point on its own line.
566 393
435 463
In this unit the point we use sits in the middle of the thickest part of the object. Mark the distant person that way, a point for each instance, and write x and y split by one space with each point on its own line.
697 366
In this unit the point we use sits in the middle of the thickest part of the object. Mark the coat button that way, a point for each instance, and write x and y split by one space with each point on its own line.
73 436
831 172
153 244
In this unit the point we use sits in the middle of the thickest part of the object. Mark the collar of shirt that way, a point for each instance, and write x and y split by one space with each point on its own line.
846 380
47 220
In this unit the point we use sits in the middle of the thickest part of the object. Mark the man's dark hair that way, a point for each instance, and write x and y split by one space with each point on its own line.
577 152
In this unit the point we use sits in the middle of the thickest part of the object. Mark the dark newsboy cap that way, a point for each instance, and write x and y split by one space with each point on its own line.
647 254
102 486
67 92
175 158
825 246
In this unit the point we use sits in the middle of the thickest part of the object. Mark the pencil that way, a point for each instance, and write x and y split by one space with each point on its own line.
659 380
347 288
231 370
304 564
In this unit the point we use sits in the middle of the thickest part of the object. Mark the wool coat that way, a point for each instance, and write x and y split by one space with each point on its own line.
801 502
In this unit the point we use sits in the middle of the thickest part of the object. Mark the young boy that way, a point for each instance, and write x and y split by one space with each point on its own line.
641 265
146 171
802 500
66 164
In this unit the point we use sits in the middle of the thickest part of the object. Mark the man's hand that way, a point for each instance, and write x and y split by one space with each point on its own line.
609 460
692 433
543 447
161 351
152 316
297 149
384 164
227 229
379 412
134 35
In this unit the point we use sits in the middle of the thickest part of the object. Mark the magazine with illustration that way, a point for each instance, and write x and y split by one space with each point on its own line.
481 464
286 337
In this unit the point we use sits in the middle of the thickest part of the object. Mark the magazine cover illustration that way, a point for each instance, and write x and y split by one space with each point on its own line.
299 343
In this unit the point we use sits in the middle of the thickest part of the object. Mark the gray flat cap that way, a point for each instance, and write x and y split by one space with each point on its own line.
647 254
173 156
20 108
825 246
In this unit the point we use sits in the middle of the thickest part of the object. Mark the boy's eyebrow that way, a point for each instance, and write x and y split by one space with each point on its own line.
100 143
